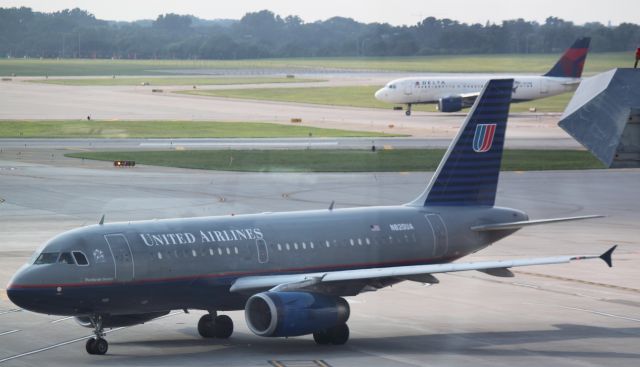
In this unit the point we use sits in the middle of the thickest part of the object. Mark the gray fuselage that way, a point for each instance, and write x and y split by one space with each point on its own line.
190 263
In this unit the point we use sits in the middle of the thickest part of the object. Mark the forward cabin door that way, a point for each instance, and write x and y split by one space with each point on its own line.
440 236
408 88
122 258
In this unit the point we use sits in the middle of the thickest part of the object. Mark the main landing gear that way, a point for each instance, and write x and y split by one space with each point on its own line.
336 335
408 111
214 326
99 344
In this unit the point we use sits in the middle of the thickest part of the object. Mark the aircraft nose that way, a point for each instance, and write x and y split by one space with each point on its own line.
380 94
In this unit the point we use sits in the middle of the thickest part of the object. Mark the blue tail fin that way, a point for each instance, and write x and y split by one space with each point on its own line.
468 172
572 61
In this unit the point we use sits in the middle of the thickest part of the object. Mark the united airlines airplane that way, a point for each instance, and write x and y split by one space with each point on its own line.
288 271
453 93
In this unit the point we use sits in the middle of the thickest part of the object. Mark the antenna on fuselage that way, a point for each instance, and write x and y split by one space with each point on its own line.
333 202
101 222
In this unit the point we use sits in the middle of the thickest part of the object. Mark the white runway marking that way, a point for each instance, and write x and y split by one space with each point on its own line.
62 319
600 313
70 341
9 332
11 311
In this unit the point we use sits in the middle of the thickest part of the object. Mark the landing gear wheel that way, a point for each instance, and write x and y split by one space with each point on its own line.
89 346
206 326
408 111
100 347
97 346
339 334
223 327
212 326
322 337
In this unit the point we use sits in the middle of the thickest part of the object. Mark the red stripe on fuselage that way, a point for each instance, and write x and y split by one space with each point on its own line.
239 274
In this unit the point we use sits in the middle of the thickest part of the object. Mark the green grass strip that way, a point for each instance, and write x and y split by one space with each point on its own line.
502 63
340 160
165 129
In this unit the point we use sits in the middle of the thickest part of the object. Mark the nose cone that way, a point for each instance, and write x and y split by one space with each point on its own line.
381 95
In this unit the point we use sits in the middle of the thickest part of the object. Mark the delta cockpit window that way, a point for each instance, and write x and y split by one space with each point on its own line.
391 86
47 258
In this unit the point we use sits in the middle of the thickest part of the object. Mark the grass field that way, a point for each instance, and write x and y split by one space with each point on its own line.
160 81
340 160
163 129
357 96
535 63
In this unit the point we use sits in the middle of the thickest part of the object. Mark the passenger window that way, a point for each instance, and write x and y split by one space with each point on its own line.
66 258
80 258
47 258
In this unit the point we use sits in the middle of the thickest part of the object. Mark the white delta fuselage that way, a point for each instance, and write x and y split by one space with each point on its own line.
433 89
455 92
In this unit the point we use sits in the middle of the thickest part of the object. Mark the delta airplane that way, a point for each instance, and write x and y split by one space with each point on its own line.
288 271
453 93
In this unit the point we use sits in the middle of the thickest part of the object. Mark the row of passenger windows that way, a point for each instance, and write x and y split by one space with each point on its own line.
287 246
72 258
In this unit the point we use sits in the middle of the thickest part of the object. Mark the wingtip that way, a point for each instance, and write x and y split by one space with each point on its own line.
606 257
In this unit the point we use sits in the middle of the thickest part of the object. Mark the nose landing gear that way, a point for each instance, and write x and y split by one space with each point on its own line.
408 111
97 345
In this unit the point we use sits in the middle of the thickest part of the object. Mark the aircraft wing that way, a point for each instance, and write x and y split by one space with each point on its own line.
308 281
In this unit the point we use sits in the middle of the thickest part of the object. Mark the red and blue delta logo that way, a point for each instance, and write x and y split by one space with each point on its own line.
483 138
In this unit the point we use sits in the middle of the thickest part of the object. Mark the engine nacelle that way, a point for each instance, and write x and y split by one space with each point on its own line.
294 313
450 104
111 321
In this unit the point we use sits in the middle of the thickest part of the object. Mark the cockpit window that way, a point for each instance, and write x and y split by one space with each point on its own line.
392 86
47 258
66 258
80 258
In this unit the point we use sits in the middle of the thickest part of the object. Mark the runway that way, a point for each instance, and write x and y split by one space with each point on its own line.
579 314
23 100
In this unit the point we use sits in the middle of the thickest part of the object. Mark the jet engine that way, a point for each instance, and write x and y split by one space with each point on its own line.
111 321
294 313
450 104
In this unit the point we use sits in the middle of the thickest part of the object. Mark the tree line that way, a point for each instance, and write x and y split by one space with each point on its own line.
76 33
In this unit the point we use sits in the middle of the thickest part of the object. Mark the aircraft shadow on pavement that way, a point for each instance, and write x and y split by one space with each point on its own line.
508 343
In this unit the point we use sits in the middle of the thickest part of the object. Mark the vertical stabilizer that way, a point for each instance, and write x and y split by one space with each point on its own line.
468 172
572 61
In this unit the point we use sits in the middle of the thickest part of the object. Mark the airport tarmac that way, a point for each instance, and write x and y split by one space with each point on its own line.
24 100
579 314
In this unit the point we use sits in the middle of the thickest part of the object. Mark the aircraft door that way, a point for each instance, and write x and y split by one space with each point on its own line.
122 258
408 88
440 236
544 86
263 251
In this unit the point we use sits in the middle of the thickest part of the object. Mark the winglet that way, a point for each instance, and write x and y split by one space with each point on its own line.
606 257
101 222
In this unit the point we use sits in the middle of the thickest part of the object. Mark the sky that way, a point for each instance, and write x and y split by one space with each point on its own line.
396 12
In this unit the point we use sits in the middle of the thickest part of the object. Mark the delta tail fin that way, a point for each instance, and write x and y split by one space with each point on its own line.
468 172
572 61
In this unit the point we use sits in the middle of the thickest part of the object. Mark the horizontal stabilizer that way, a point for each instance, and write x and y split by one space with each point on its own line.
526 223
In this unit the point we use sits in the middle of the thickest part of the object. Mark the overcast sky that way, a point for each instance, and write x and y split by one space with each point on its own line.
396 12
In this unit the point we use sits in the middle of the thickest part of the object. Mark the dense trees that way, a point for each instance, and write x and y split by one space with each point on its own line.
77 33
